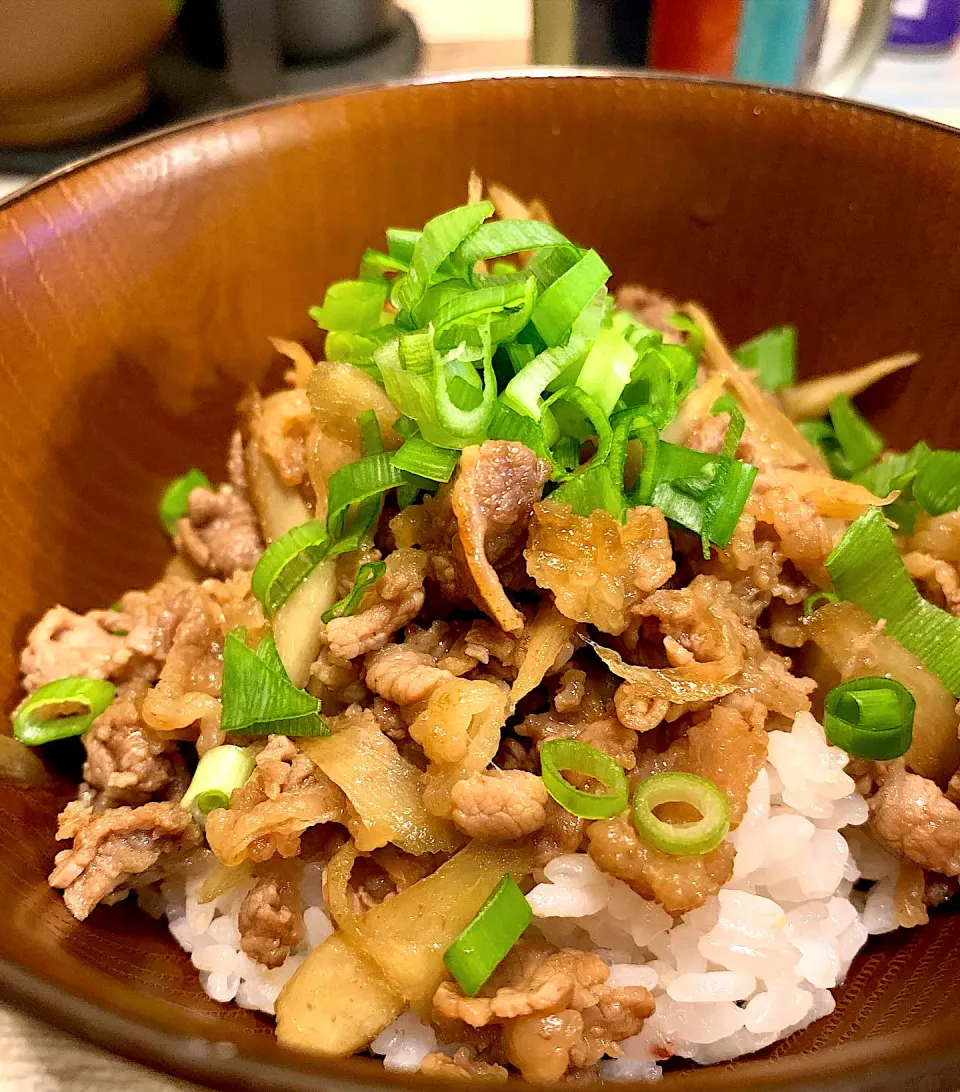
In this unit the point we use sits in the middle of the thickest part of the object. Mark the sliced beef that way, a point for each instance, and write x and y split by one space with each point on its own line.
398 599
679 884
63 644
598 569
706 622
220 533
286 795
271 920
126 762
554 1009
113 849
910 817
462 1065
404 676
493 496
499 806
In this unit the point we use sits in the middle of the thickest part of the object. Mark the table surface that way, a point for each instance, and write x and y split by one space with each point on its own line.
33 1057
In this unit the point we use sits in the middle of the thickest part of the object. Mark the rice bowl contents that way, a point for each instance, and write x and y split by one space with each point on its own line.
547 690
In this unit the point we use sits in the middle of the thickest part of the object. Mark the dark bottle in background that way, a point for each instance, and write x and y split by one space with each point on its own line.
591 32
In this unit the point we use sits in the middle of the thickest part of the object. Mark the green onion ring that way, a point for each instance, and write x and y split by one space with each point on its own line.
570 754
60 709
681 839
870 717
219 771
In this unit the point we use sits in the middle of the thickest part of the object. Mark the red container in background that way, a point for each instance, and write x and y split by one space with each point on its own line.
694 36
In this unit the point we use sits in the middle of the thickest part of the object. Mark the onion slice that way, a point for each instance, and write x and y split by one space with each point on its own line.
812 398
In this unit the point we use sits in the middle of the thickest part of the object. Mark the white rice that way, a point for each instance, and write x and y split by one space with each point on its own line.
752 965
756 962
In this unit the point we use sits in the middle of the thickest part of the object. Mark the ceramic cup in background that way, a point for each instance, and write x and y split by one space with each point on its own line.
71 69
764 41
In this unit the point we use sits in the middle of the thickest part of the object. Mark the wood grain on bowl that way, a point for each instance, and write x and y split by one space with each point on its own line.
136 297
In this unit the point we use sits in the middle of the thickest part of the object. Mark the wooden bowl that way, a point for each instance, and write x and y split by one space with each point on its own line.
137 292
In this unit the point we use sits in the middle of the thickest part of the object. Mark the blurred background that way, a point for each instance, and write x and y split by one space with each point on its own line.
76 76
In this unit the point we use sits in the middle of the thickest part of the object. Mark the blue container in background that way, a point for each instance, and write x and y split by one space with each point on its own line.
772 41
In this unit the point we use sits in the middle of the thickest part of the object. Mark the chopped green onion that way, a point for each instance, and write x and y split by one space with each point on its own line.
353 306
482 946
418 456
219 771
593 487
731 438
522 393
866 568
411 393
607 369
355 349
820 433
519 353
817 600
695 335
508 324
362 480
702 492
661 378
773 356
374 264
870 717
371 438
565 456
176 497
822 436
501 237
454 317
936 487
557 755
400 243
258 700
60 709
349 535
440 238
405 427
436 297
565 299
681 839
859 443
287 562
417 352
896 473
893 471
507 424
367 575
469 426
267 651
550 264
627 425
574 396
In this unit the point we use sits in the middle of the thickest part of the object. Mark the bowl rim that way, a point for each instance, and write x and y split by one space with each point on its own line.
920 1054
534 72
